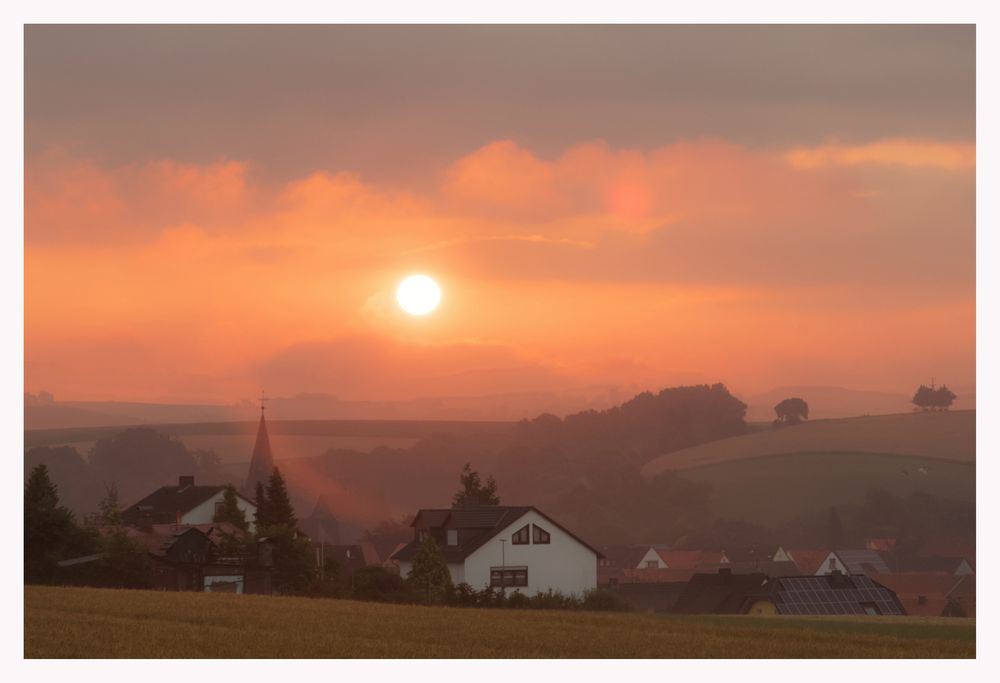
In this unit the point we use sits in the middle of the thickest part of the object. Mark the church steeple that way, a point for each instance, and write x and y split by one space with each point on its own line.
262 461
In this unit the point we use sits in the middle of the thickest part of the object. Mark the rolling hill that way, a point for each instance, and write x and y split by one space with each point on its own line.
949 435
771 476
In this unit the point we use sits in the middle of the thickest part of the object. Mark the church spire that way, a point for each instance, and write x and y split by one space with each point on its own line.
262 461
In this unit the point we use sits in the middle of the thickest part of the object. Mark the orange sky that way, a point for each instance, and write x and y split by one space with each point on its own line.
818 259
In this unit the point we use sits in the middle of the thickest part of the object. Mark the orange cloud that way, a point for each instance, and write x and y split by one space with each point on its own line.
892 152
195 281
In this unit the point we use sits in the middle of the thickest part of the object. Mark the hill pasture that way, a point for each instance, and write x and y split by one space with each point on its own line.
946 435
100 623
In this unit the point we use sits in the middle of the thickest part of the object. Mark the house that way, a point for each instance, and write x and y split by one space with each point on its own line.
655 575
720 593
321 526
862 561
651 559
829 594
349 558
689 559
183 504
808 560
505 547
927 594
955 566
185 558
761 566
772 553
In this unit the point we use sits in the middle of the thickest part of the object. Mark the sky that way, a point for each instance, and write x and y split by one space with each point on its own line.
214 210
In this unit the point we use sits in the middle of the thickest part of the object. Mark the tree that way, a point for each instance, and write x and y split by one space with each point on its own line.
279 505
429 574
230 510
791 411
109 511
474 492
929 398
50 531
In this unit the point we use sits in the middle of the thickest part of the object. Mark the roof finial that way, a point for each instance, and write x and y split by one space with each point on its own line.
262 399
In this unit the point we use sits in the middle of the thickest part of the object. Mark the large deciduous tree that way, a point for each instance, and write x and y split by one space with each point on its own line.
791 411
929 398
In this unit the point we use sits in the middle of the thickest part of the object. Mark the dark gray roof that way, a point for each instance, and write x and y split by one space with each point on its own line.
163 505
720 593
476 524
832 594
862 561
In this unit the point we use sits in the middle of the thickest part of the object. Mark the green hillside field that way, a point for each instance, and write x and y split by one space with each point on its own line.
102 623
771 475
947 435
771 489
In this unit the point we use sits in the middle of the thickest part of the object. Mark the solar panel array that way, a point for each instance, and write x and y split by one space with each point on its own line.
816 595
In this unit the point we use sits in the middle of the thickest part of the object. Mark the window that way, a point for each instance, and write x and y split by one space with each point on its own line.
521 536
652 564
218 507
833 564
504 577
452 536
870 608
540 535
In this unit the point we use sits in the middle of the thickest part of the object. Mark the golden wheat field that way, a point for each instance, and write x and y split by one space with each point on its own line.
101 623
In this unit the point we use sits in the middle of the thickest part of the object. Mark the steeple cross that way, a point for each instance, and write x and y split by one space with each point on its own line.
263 398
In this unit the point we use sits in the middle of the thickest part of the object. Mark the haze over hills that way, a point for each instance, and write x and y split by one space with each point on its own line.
43 411
832 402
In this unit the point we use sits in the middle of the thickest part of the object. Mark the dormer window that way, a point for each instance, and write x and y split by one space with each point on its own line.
452 536
540 535
521 536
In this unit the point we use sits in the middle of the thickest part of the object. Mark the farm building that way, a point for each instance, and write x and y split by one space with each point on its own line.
510 547
183 504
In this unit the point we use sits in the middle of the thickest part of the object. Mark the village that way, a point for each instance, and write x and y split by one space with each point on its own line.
201 537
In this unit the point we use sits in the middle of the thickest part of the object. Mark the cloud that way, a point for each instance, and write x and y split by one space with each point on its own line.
891 152
550 265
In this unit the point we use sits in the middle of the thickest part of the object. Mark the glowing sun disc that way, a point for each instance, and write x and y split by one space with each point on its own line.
418 295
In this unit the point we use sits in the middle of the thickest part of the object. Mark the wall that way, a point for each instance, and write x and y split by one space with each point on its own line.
564 564
205 513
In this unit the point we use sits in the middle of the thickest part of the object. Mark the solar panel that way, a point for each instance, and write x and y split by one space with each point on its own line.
818 595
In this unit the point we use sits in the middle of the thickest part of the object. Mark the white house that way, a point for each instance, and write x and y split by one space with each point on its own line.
651 560
184 504
519 548
853 562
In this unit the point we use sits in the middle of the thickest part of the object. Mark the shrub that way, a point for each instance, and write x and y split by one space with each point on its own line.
604 600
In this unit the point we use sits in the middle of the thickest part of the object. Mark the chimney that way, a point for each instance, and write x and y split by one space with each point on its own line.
185 481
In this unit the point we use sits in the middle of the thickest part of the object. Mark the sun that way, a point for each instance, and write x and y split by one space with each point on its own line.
418 295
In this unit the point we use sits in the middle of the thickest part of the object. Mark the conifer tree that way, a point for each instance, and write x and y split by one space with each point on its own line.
429 575
50 531
230 510
279 505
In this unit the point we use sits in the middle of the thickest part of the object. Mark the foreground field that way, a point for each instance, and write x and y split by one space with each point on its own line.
949 435
87 622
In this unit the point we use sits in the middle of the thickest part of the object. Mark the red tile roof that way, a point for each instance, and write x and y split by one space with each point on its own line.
808 560
689 559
